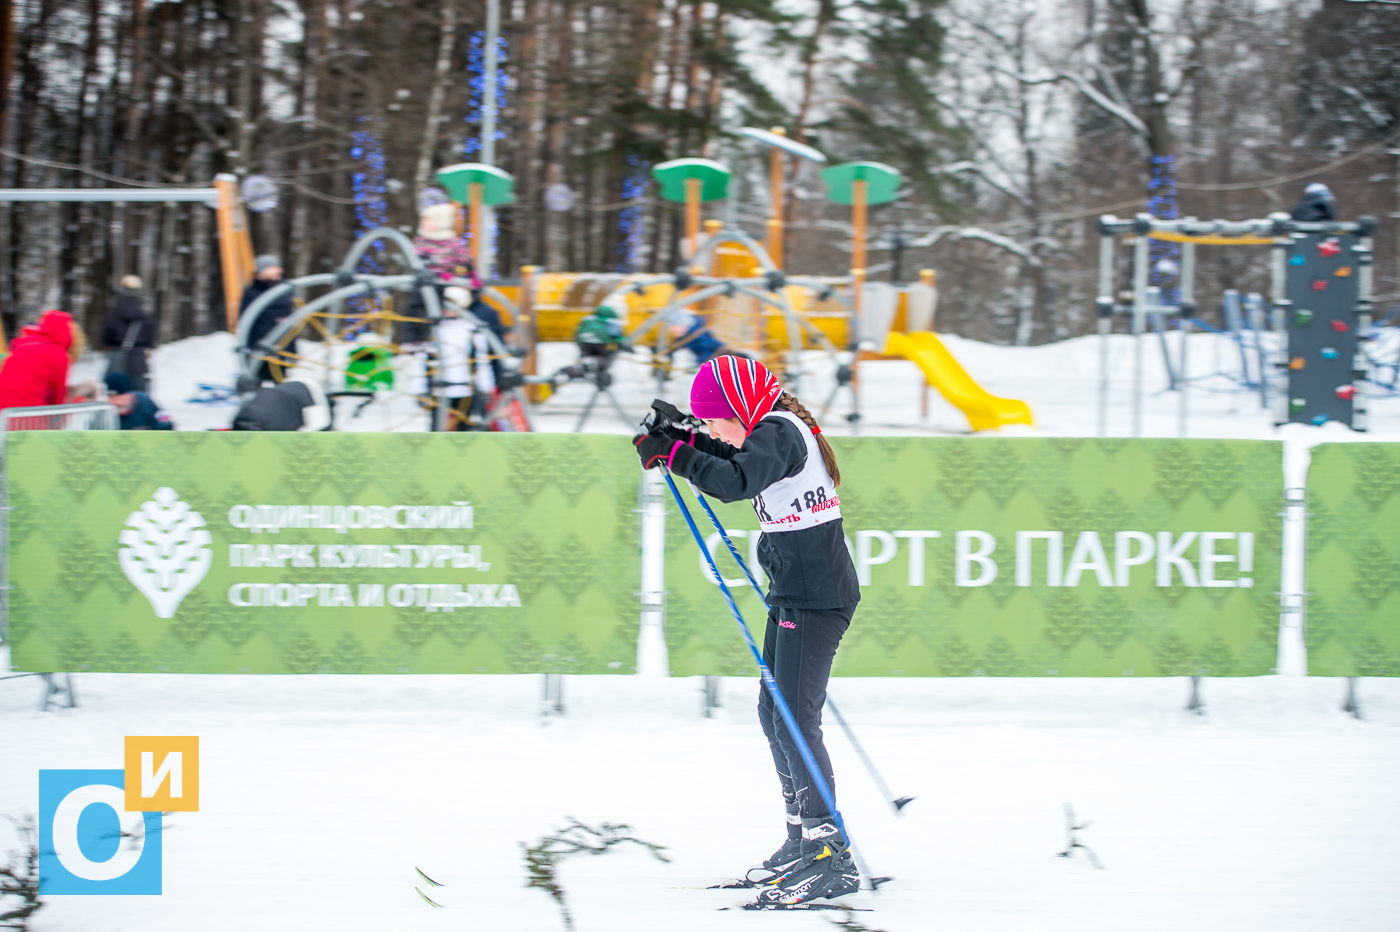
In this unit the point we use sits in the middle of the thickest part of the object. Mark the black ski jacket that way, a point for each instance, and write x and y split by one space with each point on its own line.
810 568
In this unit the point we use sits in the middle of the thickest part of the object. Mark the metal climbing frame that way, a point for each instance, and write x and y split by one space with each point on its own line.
348 283
767 289
1277 231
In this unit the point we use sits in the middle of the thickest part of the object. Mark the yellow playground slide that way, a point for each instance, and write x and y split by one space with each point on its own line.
944 373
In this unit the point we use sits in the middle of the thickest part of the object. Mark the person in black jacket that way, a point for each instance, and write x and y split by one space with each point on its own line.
135 409
1317 204
763 445
129 325
268 275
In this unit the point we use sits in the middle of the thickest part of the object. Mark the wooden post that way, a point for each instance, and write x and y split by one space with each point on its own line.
692 218
775 222
930 278
478 234
526 329
858 244
235 249
858 188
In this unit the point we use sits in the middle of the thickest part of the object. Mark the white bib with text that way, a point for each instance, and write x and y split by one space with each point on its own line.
805 500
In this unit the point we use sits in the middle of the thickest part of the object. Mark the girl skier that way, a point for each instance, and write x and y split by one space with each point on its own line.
763 445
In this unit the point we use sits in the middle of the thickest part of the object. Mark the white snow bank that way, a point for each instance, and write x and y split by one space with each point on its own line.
320 794
1059 380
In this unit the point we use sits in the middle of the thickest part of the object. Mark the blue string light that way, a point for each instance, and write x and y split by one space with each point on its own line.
1162 204
371 208
471 148
476 67
630 227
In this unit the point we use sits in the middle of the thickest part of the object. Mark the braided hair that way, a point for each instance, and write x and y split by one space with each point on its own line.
789 403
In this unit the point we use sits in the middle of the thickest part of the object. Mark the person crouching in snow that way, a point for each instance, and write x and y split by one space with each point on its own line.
763 445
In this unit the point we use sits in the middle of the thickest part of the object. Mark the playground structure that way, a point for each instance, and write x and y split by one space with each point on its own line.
729 281
1324 265
353 352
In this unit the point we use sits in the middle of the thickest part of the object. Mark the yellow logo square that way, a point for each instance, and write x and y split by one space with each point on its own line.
162 774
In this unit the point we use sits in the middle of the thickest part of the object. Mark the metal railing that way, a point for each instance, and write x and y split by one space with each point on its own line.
84 416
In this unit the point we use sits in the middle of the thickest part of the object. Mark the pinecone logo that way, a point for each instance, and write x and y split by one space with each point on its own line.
165 551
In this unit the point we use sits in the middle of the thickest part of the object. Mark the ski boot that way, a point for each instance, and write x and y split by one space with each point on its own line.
827 869
785 858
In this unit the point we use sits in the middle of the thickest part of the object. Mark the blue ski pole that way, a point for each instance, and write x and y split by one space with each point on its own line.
899 803
771 684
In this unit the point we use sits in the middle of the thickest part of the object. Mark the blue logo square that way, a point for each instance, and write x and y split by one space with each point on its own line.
82 815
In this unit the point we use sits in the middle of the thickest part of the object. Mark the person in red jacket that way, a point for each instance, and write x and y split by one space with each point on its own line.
36 371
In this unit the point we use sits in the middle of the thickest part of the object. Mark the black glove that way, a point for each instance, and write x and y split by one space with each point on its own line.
654 448
683 434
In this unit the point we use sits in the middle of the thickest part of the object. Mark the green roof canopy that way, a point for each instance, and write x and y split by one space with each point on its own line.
881 182
497 187
714 178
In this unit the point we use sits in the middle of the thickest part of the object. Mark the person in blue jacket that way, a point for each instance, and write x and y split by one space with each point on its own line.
136 410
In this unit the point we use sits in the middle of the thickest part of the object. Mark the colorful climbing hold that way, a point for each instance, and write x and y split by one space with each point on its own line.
1329 353
1345 392
1319 419
1320 285
1297 404
1299 259
1302 317
1340 326
1329 248
1343 272
1297 362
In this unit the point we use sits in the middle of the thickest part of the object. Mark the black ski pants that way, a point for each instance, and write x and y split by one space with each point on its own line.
798 646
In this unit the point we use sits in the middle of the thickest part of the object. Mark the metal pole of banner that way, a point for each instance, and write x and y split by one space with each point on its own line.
1141 259
1352 705
652 658
1104 305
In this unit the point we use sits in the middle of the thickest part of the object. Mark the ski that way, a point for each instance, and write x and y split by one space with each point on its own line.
733 885
796 907
429 902
427 878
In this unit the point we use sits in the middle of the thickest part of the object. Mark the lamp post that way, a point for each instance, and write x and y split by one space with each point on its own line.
485 218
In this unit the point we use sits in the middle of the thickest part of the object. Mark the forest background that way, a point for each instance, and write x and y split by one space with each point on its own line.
1015 124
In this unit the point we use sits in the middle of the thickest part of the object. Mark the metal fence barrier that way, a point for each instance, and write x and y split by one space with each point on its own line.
96 415
85 416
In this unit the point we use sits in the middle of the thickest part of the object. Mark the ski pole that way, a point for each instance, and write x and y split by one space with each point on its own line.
899 803
771 684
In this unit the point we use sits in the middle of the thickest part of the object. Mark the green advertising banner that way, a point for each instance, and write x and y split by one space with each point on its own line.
218 552
1353 568
1026 557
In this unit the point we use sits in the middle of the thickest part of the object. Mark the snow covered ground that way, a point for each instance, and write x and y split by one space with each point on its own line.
320 794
